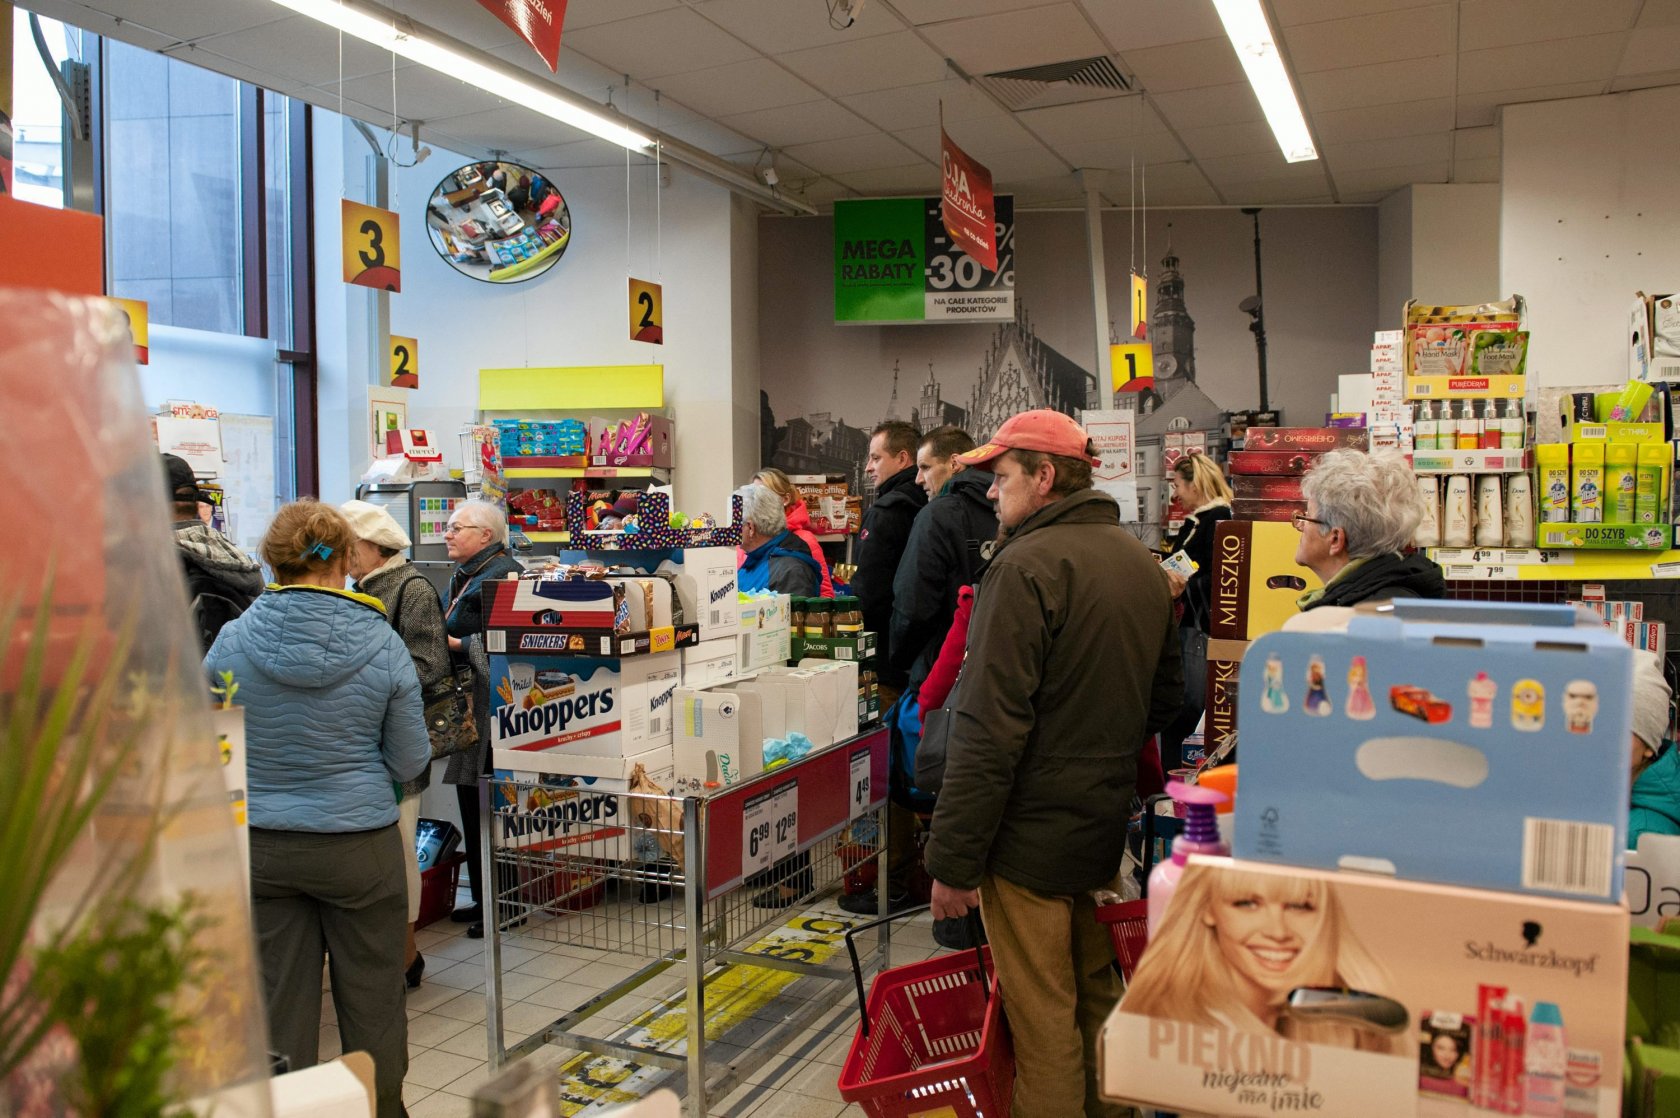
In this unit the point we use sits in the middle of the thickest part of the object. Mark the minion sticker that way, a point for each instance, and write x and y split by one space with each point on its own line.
1272 699
1580 706
1528 705
1317 701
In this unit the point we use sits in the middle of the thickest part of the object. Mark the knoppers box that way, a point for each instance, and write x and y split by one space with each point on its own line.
547 709
1270 989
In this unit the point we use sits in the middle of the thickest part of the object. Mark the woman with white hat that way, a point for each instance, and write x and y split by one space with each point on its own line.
380 569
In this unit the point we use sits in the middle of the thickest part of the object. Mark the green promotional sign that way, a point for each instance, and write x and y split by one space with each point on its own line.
895 263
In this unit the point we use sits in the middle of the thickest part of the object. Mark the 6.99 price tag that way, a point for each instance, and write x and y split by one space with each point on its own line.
769 827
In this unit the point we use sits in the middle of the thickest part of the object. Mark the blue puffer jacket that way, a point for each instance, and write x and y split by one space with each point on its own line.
332 709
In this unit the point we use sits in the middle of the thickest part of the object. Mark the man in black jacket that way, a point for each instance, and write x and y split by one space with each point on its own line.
221 580
881 543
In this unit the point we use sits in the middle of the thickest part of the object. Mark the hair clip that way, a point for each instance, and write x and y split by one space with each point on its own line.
319 551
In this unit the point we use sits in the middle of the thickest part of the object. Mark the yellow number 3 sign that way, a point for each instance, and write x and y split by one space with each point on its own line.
647 312
371 249
405 362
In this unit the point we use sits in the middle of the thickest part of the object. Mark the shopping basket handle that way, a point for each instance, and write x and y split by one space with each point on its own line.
857 968
1148 858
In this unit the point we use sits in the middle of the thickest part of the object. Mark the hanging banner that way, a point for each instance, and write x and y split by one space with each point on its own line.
135 309
1113 434
405 362
1133 364
966 202
647 312
536 21
1140 309
894 262
371 251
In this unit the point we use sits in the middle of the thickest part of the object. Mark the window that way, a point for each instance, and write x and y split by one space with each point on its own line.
37 110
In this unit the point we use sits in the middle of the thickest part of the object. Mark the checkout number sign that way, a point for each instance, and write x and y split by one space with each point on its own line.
371 245
861 772
769 827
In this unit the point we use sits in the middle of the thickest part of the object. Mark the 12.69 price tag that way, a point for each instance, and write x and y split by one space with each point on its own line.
769 827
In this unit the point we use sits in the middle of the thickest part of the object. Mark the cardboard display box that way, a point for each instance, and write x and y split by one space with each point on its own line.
1240 1005
549 709
1284 463
860 647
709 662
1462 742
1255 578
846 713
1314 440
765 638
1264 487
721 731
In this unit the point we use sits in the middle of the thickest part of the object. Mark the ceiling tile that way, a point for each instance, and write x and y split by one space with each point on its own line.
1390 179
1497 23
580 153
258 75
822 193
1368 40
936 11
1257 167
795 124
511 128
1378 122
769 26
1479 109
862 65
1276 192
1028 163
1365 198
1476 143
179 21
1645 81
913 178
593 13
1215 104
1185 65
1476 170
1123 155
1169 184
1138 24
1588 58
422 94
1230 139
652 46
709 135
1291 12
304 50
470 23
740 87
911 106
1651 50
1011 40
1004 135
859 153
1367 155
1659 13
1353 87
1091 120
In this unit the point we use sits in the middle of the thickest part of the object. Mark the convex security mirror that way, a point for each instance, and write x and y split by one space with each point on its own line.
498 222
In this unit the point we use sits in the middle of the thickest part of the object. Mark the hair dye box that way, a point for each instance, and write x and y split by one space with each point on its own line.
1467 743
1269 990
1256 580
547 710
1313 440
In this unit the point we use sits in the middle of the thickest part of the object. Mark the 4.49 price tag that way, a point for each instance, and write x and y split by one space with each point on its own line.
769 827
860 782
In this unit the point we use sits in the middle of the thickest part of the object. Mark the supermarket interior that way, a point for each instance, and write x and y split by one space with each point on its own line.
434 684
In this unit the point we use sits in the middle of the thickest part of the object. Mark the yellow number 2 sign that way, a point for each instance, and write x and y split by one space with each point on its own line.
647 312
371 250
405 362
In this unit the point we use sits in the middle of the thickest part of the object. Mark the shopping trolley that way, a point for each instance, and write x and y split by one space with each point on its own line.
932 1038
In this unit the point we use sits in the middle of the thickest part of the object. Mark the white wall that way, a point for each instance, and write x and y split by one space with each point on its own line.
686 237
1587 219
1394 257
1438 242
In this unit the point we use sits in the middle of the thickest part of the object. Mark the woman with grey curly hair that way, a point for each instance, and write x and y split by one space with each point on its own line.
1362 511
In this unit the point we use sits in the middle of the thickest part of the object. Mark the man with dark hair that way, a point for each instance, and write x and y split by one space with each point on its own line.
886 530
934 465
221 580
1072 663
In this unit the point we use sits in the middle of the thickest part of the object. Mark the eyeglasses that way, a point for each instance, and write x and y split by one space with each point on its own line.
456 529
1301 519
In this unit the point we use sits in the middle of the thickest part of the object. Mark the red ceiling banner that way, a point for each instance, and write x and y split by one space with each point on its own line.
537 22
966 202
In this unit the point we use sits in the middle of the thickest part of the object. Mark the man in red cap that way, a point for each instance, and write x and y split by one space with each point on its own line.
1072 664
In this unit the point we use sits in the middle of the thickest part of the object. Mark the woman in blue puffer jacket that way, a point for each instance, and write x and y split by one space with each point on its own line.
332 718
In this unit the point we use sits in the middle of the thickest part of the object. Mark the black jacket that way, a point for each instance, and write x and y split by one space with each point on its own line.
1195 539
1382 577
222 581
465 619
942 556
1072 663
886 531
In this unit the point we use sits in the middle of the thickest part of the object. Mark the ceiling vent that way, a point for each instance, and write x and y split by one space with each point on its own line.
1057 83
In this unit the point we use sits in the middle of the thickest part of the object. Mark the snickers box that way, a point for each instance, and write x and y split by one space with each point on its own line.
571 605
1314 440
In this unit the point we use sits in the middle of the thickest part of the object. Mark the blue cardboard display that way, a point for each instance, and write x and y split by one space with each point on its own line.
1465 743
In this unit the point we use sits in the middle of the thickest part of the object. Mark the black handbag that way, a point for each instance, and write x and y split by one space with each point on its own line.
936 737
448 703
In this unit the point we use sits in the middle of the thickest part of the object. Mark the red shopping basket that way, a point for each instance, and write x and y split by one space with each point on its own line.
932 1038
1128 926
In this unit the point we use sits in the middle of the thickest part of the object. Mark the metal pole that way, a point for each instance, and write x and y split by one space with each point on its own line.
379 300
694 899
1093 182
1259 326
490 913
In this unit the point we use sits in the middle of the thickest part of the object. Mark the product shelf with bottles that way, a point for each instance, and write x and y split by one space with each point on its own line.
1607 486
1471 456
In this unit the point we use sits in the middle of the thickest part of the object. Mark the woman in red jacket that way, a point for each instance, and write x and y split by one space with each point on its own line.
798 519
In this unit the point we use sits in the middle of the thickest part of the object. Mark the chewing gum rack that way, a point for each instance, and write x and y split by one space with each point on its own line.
1454 742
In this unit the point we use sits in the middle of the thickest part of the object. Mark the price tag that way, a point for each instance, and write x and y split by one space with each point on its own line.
756 816
405 362
861 772
370 241
784 821
1665 570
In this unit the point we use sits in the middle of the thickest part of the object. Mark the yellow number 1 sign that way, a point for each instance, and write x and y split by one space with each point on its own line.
1134 366
1140 310
371 249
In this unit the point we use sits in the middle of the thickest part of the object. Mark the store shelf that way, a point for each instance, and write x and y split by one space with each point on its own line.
572 388
546 537
531 264
1495 564
541 473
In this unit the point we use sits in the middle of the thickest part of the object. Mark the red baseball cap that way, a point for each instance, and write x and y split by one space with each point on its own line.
1043 430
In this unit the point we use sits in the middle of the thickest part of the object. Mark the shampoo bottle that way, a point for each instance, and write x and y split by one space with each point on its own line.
1455 521
1429 504
1547 1061
1493 426
1490 511
1513 427
1200 836
1519 511
1425 426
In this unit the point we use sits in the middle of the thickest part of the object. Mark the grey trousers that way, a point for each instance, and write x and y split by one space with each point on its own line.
344 895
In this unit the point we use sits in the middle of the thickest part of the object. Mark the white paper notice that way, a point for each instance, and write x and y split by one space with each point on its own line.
1114 435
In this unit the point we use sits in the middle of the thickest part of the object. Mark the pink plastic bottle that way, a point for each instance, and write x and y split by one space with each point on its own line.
1200 836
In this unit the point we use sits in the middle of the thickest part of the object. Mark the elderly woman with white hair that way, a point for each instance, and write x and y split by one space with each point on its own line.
773 558
476 538
380 569
1362 511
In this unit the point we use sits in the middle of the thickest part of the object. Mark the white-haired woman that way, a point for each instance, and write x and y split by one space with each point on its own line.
476 538
773 558
380 569
1362 511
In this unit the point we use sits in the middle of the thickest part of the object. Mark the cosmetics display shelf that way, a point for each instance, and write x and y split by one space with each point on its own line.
1496 564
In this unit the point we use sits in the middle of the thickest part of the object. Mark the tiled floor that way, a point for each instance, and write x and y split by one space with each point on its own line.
447 1043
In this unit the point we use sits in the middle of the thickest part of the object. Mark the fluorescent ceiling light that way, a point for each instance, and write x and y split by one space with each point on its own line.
1246 26
385 30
